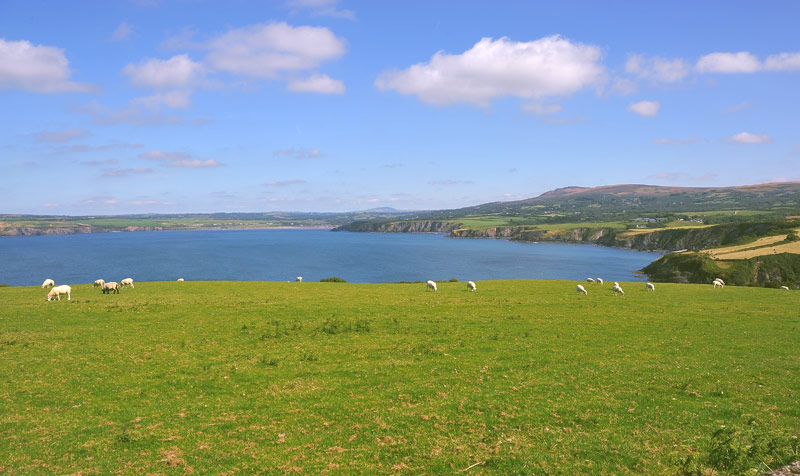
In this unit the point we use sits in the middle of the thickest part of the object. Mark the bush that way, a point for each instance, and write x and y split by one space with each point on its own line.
3 285
332 279
453 280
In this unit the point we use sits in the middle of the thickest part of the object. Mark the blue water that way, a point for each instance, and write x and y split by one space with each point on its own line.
281 255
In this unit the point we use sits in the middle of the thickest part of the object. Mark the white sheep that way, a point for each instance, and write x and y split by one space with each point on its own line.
58 291
718 283
127 282
471 286
111 287
98 283
430 285
299 279
785 288
617 289
650 287
48 283
600 281
581 289
180 280
590 280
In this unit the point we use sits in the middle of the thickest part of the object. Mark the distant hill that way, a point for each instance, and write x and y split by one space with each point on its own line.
616 201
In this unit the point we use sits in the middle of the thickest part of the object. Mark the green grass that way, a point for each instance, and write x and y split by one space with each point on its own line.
524 377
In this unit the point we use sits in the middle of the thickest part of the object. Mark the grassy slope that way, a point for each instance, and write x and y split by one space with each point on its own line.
525 376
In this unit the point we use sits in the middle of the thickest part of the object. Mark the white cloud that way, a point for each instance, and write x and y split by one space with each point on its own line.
657 69
195 163
783 62
542 109
177 72
37 69
124 173
322 8
317 83
741 62
550 66
133 114
267 50
161 155
748 138
645 108
122 32
59 136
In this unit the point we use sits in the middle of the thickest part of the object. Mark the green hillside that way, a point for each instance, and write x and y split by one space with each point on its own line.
520 377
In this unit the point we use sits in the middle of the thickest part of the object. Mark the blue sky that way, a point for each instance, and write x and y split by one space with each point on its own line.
139 106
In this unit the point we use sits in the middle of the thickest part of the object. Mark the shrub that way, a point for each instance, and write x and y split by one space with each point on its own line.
453 280
333 279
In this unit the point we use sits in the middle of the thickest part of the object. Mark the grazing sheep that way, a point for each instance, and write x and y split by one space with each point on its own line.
581 289
299 279
785 288
180 280
98 283
617 289
471 286
600 281
650 287
718 283
590 280
58 291
48 282
127 282
430 285
111 287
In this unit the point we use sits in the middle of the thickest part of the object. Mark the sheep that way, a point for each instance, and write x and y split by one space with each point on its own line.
58 291
786 288
111 287
180 280
48 283
430 285
98 283
127 282
600 281
617 289
718 283
650 287
590 280
299 279
471 286
581 289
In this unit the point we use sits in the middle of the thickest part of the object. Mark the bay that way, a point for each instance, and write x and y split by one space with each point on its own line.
282 255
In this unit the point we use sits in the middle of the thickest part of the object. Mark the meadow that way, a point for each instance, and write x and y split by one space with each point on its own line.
521 377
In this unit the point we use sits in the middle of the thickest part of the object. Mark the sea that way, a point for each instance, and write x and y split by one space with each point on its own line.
314 254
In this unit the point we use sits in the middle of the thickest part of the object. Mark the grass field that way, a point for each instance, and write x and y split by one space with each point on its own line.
521 377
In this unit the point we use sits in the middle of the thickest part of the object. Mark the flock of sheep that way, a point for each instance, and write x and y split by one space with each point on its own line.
106 287
616 289
431 285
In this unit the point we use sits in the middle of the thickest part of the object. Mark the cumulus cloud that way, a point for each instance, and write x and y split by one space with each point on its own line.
550 66
284 183
59 136
675 142
177 72
741 62
299 153
126 172
37 69
657 69
542 109
783 62
327 8
645 108
318 83
122 32
748 138
267 50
